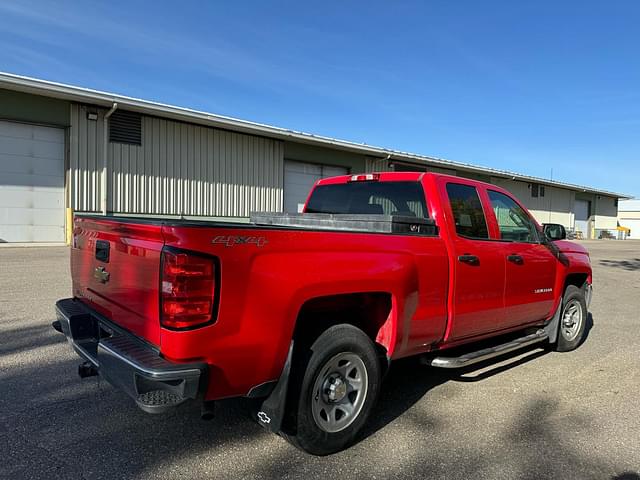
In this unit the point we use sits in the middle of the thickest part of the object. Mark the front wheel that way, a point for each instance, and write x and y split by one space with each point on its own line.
338 390
573 319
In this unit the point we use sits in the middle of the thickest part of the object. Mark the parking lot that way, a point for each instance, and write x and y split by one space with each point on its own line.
535 415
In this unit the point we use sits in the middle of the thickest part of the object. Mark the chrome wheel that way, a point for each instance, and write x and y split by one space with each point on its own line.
572 318
339 392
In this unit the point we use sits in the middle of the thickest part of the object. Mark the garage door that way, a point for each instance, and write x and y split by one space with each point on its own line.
634 225
31 183
299 177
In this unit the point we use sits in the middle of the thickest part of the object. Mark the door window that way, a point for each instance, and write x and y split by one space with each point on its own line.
514 223
467 211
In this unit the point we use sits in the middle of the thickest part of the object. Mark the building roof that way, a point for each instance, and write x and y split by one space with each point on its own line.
46 88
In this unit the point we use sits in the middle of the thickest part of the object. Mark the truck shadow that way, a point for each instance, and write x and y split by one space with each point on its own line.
408 380
61 427
629 265
22 339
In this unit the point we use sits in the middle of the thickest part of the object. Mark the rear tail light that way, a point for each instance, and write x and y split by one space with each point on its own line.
188 290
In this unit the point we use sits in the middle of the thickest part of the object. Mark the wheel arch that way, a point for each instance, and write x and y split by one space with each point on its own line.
371 312
578 279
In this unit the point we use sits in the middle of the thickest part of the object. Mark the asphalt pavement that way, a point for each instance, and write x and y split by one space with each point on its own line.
535 415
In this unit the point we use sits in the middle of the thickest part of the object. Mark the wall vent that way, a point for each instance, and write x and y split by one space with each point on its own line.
125 127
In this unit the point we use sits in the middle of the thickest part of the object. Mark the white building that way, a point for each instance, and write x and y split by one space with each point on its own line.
629 216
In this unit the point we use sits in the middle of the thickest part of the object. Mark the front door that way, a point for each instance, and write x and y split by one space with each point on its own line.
478 266
582 213
530 265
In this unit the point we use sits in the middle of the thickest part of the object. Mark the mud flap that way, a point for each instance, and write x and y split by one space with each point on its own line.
272 411
553 327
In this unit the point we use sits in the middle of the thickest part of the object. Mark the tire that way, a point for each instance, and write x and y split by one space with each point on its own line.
573 320
335 393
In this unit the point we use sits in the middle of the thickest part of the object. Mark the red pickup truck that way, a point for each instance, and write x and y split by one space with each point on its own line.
306 311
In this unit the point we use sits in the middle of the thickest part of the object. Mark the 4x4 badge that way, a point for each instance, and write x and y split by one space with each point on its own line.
231 240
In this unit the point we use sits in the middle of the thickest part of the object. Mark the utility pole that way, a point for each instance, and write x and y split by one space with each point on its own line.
550 194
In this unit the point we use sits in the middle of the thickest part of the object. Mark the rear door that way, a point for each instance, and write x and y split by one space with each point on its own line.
477 303
530 265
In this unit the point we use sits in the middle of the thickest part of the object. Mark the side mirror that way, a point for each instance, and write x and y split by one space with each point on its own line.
554 231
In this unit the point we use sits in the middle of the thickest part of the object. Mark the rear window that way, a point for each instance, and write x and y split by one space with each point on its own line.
370 198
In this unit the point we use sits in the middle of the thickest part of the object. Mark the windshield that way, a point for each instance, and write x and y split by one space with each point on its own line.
370 198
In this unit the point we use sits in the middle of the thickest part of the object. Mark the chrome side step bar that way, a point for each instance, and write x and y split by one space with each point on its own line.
487 353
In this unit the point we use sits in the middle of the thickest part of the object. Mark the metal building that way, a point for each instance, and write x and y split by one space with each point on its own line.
65 148
629 217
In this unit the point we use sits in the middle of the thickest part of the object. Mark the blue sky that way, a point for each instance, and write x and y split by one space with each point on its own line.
523 86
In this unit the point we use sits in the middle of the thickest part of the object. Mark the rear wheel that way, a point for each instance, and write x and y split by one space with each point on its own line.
336 392
573 319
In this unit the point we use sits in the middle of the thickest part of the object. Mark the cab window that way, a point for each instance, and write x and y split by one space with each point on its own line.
514 223
381 198
467 211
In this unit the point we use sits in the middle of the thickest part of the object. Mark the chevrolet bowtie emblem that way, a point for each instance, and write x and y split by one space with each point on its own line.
101 275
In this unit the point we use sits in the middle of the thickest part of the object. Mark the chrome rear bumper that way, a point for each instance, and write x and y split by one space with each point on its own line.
126 361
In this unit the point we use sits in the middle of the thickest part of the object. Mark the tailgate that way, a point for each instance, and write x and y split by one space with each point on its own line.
115 268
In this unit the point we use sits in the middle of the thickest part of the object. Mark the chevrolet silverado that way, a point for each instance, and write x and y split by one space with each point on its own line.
306 311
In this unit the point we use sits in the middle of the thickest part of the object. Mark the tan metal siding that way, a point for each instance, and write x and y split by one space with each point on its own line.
555 207
372 164
85 159
180 169
445 171
606 213
184 169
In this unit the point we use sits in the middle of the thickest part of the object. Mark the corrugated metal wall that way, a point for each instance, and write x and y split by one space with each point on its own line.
85 159
373 164
180 169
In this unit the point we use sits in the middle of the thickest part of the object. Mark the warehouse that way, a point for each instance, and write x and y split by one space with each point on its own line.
67 149
629 217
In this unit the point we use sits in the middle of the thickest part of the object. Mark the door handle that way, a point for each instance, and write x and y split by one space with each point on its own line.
514 258
469 259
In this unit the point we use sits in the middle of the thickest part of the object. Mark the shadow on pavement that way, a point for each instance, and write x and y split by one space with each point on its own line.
629 265
21 339
53 425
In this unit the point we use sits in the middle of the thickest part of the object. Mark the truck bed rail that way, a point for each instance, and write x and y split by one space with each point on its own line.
349 222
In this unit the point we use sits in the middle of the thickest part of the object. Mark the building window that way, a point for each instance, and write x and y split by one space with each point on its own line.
537 190
125 127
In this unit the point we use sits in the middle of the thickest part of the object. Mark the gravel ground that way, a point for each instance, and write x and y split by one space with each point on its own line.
536 415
